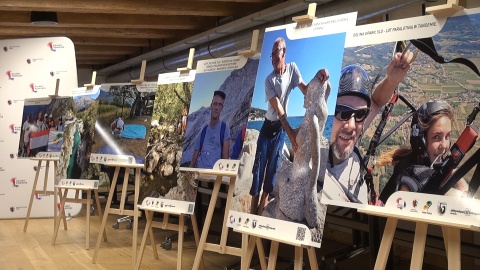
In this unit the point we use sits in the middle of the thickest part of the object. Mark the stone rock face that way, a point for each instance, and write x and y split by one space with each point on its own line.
161 177
238 88
296 194
241 195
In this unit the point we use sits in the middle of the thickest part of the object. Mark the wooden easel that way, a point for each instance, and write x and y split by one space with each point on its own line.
248 246
92 83
451 235
140 80
121 210
165 225
221 248
44 190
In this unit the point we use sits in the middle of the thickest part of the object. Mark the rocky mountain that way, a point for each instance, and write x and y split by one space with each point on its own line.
238 88
82 103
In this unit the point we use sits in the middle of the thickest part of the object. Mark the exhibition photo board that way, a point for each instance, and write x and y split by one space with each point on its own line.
432 123
123 122
161 178
299 70
31 69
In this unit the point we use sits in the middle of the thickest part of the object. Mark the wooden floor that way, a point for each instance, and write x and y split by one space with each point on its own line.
33 249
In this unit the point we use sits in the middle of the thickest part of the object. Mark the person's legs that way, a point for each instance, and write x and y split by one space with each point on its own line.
258 171
274 153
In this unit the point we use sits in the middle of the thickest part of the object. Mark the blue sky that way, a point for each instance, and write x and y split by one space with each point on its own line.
204 86
310 55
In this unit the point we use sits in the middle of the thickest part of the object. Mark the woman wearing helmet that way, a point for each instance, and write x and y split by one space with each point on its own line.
430 138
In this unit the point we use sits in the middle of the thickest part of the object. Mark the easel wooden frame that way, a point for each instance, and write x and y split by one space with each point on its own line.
87 201
248 246
140 80
451 235
221 248
121 210
181 228
44 190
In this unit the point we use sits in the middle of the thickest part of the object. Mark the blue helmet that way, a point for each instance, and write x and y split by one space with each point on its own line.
354 81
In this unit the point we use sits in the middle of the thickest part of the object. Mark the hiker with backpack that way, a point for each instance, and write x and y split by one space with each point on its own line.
214 140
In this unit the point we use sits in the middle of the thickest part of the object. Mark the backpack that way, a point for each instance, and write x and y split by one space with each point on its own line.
222 136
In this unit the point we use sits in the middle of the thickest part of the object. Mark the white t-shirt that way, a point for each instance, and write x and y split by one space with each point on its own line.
348 174
281 86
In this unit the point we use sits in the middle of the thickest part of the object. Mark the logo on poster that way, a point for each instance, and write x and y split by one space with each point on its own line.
29 61
232 219
53 47
401 203
9 102
426 207
14 182
13 129
38 196
5 49
441 208
254 223
12 209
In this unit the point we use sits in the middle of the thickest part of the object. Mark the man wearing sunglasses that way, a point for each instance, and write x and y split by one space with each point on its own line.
278 85
354 112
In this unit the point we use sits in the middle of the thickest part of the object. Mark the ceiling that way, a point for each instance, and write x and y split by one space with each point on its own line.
113 36
111 31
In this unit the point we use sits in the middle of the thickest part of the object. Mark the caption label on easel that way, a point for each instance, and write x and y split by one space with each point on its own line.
176 77
269 228
166 205
228 165
68 183
48 155
442 208
226 63
107 158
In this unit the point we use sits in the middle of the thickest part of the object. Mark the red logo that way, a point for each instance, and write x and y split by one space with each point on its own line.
12 128
50 45
14 182
9 74
32 87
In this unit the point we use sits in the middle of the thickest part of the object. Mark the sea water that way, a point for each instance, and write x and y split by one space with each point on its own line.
295 122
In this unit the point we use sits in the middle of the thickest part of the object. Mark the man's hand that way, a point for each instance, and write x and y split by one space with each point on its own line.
323 75
398 67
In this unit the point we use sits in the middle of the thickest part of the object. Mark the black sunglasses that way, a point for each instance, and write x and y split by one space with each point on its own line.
276 52
344 113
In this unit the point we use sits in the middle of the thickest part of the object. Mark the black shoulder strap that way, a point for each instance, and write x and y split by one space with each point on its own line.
202 137
427 46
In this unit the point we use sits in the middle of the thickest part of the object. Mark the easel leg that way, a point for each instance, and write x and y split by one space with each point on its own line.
62 213
246 245
419 245
454 248
312 258
181 228
89 205
152 242
39 164
208 220
135 216
107 211
261 254
148 227
386 243
100 212
223 238
298 258
272 258
196 235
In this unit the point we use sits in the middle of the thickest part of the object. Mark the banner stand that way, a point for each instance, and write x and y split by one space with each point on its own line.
44 190
121 210
223 169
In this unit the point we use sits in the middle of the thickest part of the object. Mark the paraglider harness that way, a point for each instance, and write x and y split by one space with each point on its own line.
441 170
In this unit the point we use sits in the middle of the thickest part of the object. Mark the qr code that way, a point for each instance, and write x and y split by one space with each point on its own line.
300 234
190 208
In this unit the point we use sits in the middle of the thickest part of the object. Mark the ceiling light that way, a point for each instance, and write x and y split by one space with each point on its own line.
43 18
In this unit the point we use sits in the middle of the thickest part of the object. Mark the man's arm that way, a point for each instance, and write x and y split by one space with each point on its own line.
396 72
193 163
277 106
226 149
